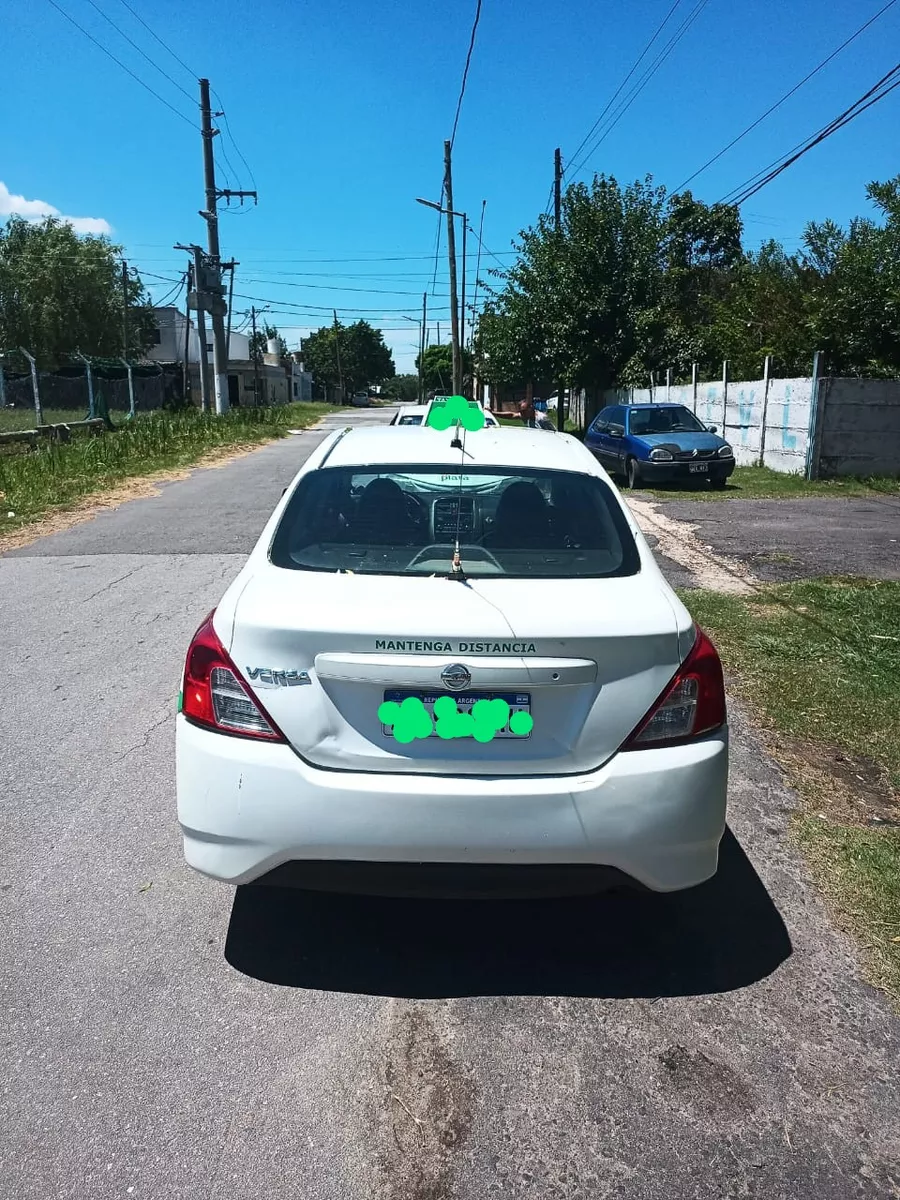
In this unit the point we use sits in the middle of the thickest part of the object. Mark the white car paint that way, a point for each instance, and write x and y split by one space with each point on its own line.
593 653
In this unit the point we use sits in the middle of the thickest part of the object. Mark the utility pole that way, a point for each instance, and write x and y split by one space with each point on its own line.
186 381
337 353
229 266
199 299
124 308
462 307
255 359
451 251
422 349
557 219
215 300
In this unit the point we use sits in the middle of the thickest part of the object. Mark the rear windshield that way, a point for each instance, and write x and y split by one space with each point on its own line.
414 419
406 520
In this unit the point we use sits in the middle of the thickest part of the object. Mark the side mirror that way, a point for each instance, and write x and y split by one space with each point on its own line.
712 429
617 431
284 492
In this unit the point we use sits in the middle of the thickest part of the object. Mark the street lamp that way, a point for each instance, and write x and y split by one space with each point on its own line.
454 311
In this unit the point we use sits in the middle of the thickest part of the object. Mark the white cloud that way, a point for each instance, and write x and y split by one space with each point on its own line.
36 210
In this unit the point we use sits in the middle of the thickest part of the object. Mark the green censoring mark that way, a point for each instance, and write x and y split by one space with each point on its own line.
411 720
450 409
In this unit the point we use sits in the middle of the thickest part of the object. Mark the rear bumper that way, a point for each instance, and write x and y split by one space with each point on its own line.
246 808
680 472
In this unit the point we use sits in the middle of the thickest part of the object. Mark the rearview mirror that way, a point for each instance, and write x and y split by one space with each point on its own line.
617 431
712 429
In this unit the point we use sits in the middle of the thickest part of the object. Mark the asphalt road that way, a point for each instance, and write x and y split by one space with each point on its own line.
780 540
165 1037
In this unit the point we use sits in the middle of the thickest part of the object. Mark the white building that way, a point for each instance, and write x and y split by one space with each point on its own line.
169 346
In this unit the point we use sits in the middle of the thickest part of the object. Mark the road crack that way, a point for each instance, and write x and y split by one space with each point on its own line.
145 740
113 583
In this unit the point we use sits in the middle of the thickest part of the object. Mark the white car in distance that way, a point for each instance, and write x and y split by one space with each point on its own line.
416 414
329 732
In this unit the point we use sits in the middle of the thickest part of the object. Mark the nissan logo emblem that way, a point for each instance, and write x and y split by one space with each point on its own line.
456 677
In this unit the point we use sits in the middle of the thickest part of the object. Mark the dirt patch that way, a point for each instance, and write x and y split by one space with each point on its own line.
427 1102
706 1085
841 787
678 541
139 488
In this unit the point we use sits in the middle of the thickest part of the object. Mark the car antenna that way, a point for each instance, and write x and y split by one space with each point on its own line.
456 568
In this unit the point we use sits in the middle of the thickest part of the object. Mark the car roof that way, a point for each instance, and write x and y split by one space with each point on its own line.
491 446
661 404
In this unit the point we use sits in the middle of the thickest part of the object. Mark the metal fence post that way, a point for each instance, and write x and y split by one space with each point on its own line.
90 383
812 444
694 385
127 366
767 366
38 411
668 383
724 397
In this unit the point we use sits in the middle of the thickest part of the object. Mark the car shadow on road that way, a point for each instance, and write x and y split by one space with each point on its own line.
725 934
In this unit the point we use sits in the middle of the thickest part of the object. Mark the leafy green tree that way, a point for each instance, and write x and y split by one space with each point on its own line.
438 370
365 359
61 292
404 388
258 342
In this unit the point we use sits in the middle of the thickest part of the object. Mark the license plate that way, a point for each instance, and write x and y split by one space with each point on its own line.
698 467
517 701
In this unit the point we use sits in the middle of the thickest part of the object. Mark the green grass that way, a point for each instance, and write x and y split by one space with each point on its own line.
762 483
819 662
52 476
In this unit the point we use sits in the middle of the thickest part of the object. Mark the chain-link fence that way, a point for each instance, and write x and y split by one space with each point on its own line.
67 397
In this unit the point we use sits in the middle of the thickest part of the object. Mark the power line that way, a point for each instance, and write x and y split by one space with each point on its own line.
462 90
787 95
335 287
168 49
618 90
224 116
119 63
329 307
142 53
642 82
761 179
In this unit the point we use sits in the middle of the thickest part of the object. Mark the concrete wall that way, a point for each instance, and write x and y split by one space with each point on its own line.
859 427
739 415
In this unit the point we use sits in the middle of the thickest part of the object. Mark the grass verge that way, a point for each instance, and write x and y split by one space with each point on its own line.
819 663
762 483
53 477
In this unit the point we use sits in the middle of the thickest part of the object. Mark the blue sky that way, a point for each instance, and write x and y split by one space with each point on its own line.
341 108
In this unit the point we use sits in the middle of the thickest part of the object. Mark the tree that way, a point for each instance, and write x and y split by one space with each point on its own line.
259 339
438 369
405 388
61 293
364 357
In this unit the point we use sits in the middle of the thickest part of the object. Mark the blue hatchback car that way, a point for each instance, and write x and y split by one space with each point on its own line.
658 443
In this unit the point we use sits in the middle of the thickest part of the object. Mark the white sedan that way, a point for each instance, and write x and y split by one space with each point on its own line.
415 414
442 657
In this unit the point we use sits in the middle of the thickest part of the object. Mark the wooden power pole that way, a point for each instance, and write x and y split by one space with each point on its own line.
451 251
557 218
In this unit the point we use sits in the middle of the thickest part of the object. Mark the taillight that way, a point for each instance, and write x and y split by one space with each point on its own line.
692 704
215 696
